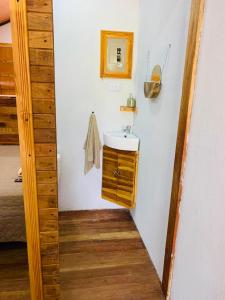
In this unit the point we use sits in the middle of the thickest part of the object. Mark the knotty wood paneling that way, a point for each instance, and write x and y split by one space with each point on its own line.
50 292
41 90
44 120
40 39
7 109
40 63
39 21
43 106
51 275
46 177
46 163
48 220
41 57
45 135
6 67
7 80
49 253
47 189
41 54
45 150
49 237
8 121
49 201
39 6
42 73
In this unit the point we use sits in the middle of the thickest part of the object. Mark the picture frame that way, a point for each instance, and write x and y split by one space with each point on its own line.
116 54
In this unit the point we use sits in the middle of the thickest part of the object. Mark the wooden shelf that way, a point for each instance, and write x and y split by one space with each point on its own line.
128 109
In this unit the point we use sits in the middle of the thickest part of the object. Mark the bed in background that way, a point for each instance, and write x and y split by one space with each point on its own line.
12 222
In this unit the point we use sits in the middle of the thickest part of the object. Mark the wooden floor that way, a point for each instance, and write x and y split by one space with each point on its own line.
14 277
102 257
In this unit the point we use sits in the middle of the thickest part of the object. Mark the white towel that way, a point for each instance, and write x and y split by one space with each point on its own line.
92 146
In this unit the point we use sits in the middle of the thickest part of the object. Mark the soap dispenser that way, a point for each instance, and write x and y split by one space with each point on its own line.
131 101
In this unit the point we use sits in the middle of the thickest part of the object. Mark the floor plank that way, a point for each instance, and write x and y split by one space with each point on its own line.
102 257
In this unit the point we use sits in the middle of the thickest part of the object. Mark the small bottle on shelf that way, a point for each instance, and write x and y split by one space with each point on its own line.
131 101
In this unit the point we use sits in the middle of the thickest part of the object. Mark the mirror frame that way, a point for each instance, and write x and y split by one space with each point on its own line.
120 35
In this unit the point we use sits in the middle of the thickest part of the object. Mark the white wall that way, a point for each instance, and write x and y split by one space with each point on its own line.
5 33
79 90
199 272
161 22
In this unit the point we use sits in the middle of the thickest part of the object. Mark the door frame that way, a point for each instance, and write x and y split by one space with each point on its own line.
26 140
27 143
33 58
189 79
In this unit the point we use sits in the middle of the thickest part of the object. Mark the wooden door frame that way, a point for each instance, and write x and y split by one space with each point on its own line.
26 141
27 145
189 79
33 57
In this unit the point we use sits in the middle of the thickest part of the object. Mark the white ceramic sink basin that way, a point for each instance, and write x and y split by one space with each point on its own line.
121 140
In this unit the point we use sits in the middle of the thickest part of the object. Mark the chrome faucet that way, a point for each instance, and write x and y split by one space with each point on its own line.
127 129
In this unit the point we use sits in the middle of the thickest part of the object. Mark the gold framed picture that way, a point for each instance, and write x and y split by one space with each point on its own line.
116 54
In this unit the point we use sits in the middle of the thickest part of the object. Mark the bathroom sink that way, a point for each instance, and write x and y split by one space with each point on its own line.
121 140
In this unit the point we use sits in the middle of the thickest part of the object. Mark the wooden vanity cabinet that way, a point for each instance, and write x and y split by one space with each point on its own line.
119 176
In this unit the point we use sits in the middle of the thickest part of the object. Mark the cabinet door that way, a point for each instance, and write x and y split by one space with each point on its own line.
109 174
126 183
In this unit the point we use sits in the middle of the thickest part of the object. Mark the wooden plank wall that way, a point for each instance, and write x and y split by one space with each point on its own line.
8 115
41 57
8 121
7 81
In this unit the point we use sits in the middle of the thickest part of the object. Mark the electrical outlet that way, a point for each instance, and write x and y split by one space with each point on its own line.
114 87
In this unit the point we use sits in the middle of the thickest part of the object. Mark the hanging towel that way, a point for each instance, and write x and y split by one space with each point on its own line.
92 146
